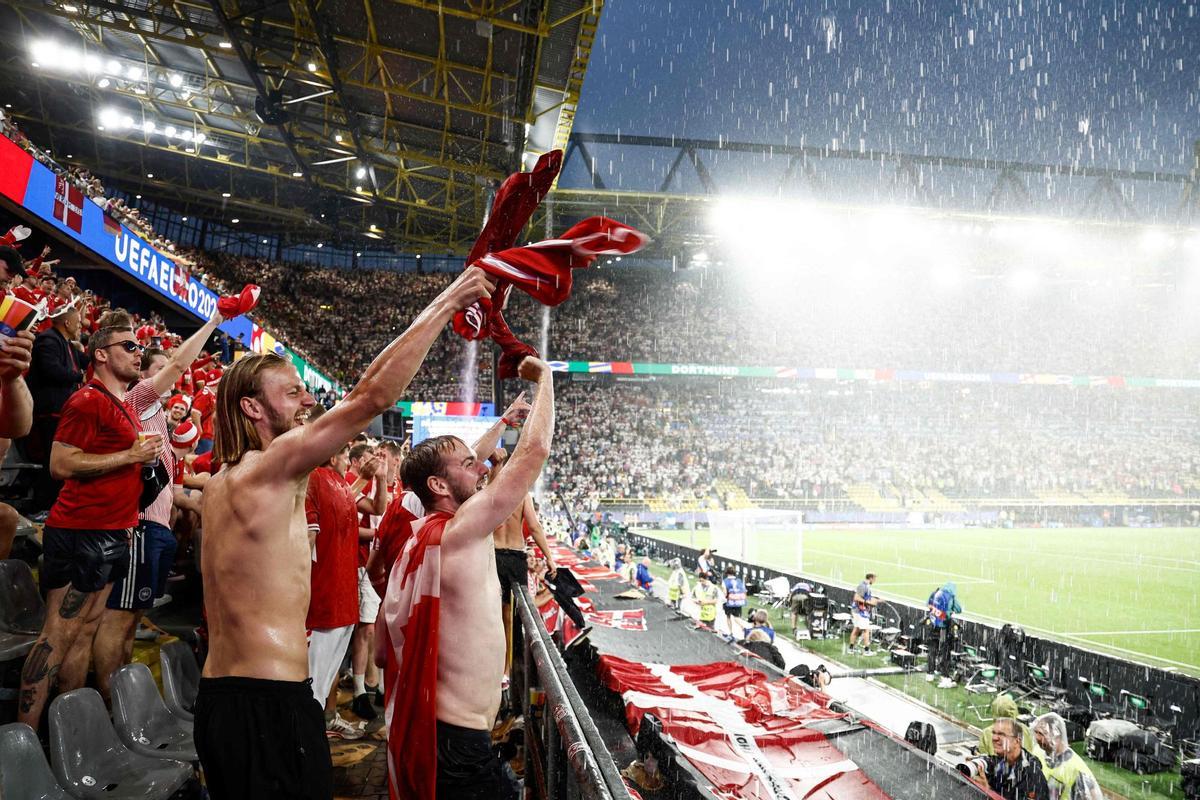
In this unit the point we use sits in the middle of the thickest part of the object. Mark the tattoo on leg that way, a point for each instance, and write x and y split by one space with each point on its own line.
37 663
26 700
72 603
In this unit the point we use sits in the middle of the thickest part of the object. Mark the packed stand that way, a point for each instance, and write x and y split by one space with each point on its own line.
683 437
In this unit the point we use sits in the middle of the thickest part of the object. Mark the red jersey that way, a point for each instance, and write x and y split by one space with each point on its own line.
205 403
329 508
394 528
98 424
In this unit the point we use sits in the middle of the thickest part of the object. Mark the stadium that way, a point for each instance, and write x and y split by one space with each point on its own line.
817 381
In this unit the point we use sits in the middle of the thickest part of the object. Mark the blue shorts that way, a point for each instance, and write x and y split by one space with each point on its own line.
151 556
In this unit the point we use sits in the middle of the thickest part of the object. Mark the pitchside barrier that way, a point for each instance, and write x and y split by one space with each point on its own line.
1070 667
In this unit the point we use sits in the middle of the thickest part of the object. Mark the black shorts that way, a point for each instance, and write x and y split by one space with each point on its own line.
86 559
733 611
467 767
513 569
262 739
151 554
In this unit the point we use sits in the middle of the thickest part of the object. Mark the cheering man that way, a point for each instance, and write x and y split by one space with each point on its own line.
446 652
258 730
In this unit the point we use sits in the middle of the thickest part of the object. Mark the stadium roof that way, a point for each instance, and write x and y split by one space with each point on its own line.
317 119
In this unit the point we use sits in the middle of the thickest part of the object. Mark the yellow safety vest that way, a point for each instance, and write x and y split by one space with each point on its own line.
707 598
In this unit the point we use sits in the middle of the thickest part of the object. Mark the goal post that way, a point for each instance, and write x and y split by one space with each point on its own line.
767 536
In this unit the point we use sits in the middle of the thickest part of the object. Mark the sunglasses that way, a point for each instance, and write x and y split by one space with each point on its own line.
127 346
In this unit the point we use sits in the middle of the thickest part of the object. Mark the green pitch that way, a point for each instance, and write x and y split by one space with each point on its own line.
1126 591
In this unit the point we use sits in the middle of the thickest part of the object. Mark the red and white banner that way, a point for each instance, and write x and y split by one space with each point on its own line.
748 736
595 573
633 619
68 204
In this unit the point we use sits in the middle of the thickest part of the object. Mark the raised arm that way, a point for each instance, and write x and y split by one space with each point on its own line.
512 416
305 448
185 354
484 512
539 534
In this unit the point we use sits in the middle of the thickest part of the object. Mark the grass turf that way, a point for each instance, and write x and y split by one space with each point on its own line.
1130 592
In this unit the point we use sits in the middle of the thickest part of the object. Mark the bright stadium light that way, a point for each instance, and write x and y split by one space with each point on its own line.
176 80
110 117
361 172
1023 280
92 64
113 67
170 131
44 51
103 83
126 121
134 72
148 126
201 138
186 135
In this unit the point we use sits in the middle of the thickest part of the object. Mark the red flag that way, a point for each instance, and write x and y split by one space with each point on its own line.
411 615
179 281
68 204
751 738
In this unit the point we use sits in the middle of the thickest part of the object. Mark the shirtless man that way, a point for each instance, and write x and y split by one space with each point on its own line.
452 739
511 560
258 731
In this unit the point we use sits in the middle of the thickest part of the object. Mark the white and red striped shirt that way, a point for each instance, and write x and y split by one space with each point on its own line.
147 405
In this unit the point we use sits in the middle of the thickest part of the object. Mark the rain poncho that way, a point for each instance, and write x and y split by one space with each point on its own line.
943 604
1005 706
678 584
1066 773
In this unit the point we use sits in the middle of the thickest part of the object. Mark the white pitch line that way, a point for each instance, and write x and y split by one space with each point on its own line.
1136 561
1131 633
973 578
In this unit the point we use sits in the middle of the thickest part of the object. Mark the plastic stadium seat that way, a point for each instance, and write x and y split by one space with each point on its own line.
24 772
22 611
142 719
92 764
180 678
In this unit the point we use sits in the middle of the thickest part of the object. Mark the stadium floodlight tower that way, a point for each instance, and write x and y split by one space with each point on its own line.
766 536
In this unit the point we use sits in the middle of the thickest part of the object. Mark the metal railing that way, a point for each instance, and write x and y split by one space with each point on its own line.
565 756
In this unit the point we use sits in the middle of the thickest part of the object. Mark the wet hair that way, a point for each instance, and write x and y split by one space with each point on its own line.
425 462
233 432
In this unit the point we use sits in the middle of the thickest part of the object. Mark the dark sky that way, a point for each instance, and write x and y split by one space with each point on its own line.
1113 84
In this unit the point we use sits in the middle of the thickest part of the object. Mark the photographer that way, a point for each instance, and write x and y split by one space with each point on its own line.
1013 772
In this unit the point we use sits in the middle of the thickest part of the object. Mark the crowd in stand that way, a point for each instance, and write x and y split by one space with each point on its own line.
682 438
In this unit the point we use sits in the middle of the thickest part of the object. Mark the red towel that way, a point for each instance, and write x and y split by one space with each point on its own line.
410 612
542 269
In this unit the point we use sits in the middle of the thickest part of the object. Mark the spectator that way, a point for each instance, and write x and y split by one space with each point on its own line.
939 629
1013 772
203 406
152 545
860 613
55 373
704 564
1068 775
98 455
333 531
366 477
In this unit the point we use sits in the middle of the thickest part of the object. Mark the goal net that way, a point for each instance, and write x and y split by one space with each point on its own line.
767 536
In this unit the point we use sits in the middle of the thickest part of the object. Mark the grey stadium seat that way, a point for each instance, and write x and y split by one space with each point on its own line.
180 678
142 719
22 611
24 772
91 763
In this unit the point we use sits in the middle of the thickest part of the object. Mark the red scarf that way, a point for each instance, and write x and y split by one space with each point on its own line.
542 269
411 615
